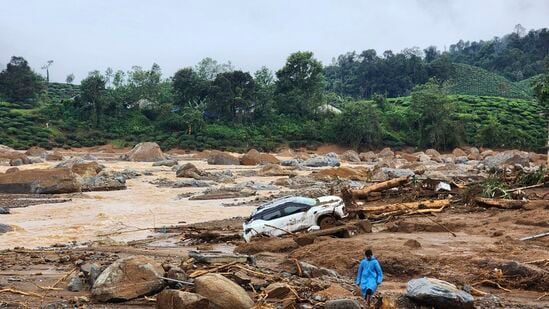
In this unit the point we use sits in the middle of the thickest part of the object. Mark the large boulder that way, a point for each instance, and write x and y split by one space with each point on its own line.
54 156
474 154
458 152
128 278
36 151
350 156
222 158
254 157
81 167
7 154
508 157
57 180
367 156
174 299
438 293
386 153
145 152
329 159
222 292
102 182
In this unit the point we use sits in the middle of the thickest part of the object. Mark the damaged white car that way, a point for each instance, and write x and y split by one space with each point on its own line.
290 214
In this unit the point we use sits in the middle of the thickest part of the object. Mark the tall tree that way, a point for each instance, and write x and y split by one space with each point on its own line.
232 95
92 95
69 79
300 85
431 115
265 85
541 90
18 83
188 87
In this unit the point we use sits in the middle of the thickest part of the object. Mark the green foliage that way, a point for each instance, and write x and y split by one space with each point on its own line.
359 125
470 80
18 83
300 84
430 114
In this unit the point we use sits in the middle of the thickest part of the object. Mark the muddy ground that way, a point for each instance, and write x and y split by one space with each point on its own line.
54 234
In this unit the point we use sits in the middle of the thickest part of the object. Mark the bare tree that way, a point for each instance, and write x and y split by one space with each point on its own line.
47 68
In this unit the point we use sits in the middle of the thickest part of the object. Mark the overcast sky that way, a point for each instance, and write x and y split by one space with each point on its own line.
85 35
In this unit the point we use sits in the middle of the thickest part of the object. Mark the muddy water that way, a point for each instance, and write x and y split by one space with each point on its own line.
89 217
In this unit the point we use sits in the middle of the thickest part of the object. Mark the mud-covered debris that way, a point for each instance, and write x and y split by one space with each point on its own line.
128 278
438 293
275 170
342 304
312 271
277 290
222 292
213 257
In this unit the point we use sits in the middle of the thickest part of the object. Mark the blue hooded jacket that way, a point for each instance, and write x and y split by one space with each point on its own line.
369 275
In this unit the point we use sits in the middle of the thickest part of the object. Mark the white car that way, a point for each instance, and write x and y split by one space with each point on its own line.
290 214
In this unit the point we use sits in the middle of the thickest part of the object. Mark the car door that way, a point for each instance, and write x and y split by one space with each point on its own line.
273 222
296 216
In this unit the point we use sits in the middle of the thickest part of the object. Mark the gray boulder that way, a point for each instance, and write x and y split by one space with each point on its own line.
128 278
5 228
350 156
165 163
342 304
509 157
438 293
291 162
102 182
4 211
329 159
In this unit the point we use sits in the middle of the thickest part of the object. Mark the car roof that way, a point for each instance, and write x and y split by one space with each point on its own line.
283 200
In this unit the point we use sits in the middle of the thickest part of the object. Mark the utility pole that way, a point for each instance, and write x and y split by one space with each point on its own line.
47 68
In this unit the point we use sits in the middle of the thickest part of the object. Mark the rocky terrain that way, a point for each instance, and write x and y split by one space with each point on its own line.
139 228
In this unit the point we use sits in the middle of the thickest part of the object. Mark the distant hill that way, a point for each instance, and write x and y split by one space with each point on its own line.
59 91
471 80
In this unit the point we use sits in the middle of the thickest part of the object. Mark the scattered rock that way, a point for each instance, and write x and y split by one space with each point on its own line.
103 182
89 157
254 157
458 152
177 274
91 271
189 170
54 156
16 162
4 211
41 181
36 151
438 293
508 157
168 163
291 162
222 292
313 271
409 157
128 278
222 158
350 156
12 170
76 284
474 154
461 160
277 290
329 159
145 152
412 243
275 170
342 304
386 153
174 299
367 156
4 228
9 154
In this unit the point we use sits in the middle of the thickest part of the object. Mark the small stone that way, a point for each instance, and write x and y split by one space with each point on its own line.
76 284
4 211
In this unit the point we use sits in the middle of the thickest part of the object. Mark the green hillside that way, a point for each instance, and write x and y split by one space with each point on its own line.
59 91
494 121
471 80
526 84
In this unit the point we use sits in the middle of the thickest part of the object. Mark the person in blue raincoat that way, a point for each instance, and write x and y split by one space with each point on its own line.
369 275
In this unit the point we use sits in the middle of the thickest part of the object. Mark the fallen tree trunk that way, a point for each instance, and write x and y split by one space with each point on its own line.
510 204
431 204
395 182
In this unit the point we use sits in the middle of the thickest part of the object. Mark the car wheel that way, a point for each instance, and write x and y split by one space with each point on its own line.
326 222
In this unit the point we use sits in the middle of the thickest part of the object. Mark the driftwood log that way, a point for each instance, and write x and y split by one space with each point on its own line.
364 192
430 204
